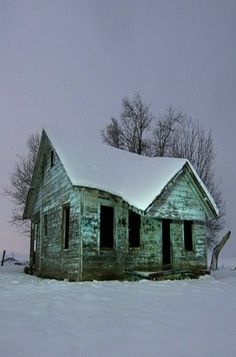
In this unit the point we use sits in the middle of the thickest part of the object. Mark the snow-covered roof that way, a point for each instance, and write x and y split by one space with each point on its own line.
137 179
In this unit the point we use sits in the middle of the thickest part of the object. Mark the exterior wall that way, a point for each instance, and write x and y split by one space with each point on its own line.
56 191
113 263
99 263
182 202
183 259
149 256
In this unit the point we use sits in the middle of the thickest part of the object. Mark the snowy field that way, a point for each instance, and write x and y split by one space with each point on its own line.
172 318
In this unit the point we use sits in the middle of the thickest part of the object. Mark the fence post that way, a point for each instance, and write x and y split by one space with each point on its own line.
3 257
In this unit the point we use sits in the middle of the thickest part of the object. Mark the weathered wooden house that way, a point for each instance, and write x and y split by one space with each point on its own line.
99 213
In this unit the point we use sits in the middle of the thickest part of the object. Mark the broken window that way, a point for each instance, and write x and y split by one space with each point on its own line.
45 224
35 235
34 241
66 224
106 227
188 235
166 243
52 158
134 229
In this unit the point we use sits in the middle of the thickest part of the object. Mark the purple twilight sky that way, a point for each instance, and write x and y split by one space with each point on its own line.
66 62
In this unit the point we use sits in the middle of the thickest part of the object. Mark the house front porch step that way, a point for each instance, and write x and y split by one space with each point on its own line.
167 274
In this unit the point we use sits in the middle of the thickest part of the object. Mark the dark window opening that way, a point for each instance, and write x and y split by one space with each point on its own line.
134 229
44 164
66 224
188 235
45 224
35 236
52 158
34 242
166 242
106 227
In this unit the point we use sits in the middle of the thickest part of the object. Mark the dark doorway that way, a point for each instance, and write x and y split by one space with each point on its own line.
106 227
166 244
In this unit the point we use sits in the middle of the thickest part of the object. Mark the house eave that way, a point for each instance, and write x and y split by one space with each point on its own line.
208 200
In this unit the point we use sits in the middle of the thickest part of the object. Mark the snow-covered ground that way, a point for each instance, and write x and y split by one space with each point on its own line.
169 318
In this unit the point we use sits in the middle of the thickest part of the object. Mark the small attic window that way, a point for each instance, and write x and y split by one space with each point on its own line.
52 158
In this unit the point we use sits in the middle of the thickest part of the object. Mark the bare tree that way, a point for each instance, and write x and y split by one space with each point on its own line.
112 134
131 132
172 134
164 130
20 180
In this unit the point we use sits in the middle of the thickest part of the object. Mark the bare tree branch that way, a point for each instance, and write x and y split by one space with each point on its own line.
131 132
20 181
164 131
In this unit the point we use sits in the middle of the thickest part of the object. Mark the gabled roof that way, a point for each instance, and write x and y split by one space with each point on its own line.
136 179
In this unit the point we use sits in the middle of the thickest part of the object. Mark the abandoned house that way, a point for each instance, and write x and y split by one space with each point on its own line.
102 213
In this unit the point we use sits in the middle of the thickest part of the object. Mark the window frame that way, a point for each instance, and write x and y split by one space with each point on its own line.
188 239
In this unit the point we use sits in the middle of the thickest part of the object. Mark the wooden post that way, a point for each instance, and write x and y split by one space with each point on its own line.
3 257
216 252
